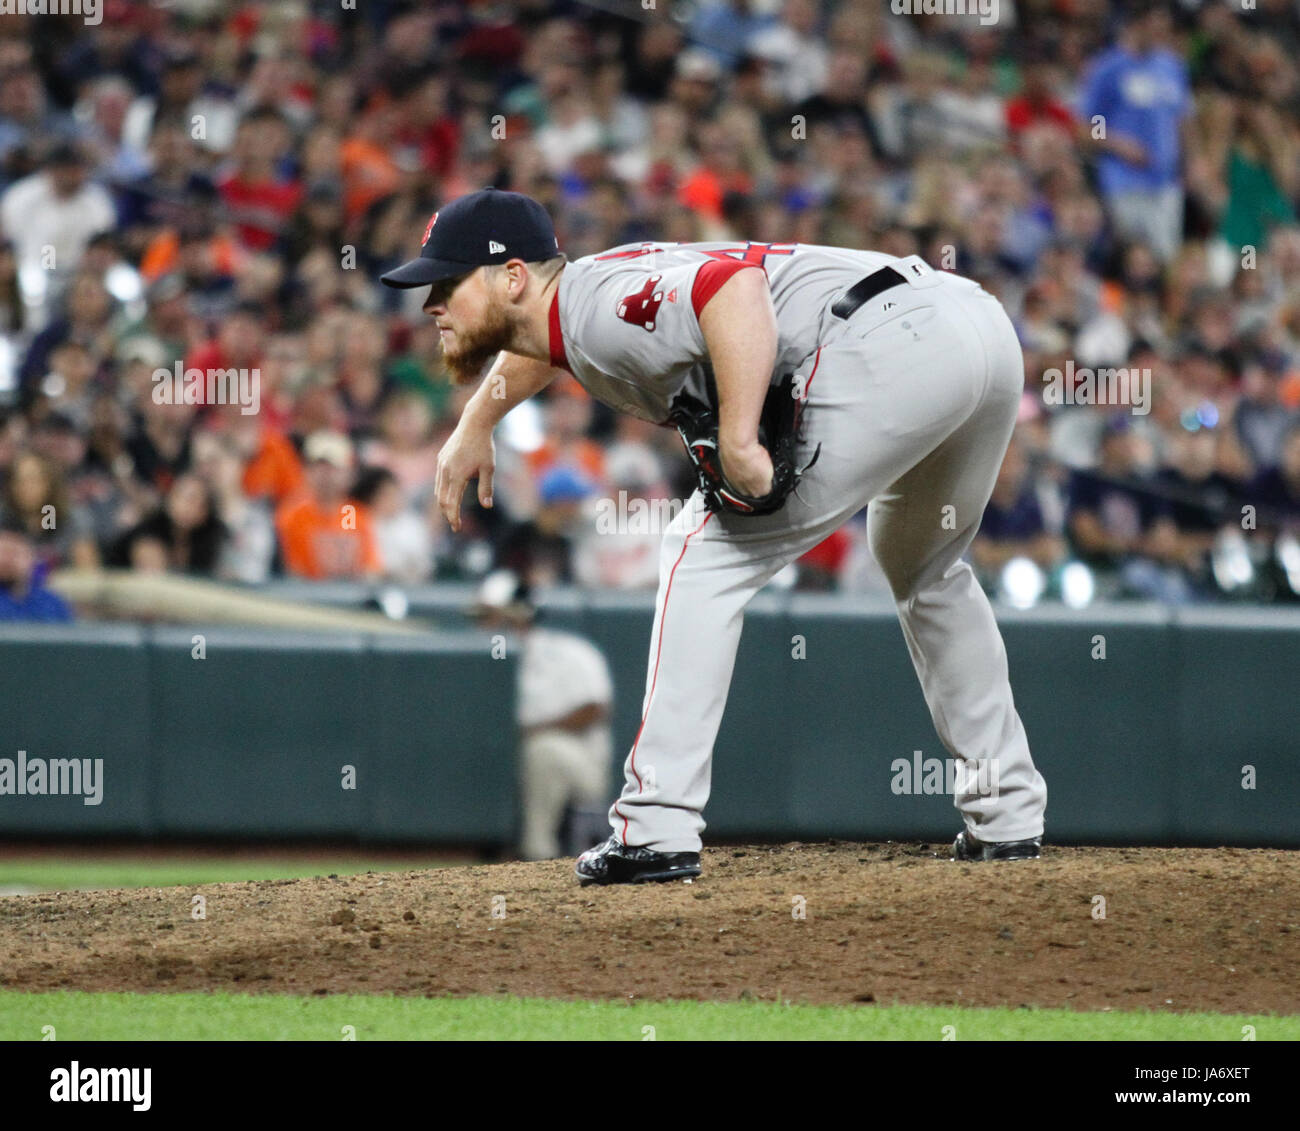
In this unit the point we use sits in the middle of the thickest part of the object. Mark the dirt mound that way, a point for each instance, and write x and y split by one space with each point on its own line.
1183 929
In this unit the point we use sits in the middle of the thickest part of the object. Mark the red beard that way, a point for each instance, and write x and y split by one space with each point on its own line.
471 348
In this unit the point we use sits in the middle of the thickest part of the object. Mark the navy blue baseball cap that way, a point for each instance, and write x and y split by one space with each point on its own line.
480 228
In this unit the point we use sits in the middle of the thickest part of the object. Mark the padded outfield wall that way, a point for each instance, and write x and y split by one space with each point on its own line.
1151 726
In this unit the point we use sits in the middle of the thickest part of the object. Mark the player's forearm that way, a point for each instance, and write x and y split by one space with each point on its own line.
739 327
511 381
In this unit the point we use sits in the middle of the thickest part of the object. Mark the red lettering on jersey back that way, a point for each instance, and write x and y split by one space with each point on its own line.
641 307
755 253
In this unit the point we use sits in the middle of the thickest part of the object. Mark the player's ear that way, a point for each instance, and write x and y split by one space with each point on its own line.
516 273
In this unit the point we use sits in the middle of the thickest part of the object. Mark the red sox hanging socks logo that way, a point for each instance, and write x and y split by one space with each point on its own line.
641 308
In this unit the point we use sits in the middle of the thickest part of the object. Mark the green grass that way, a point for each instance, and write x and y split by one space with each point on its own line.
63 874
234 1017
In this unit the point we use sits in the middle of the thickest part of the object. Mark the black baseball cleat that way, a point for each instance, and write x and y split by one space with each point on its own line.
966 847
615 863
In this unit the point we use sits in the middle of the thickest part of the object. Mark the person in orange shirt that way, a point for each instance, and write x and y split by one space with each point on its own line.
323 533
274 471
271 467
567 416
369 170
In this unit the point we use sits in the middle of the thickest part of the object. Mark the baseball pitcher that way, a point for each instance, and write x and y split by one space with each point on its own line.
806 382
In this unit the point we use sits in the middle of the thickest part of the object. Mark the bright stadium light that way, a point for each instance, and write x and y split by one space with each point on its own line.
394 603
1078 586
522 427
1287 551
1230 562
124 283
1022 583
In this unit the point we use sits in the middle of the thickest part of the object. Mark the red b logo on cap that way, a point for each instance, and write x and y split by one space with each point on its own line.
428 231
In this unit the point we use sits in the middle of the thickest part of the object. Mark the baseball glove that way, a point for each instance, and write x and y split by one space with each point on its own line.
778 431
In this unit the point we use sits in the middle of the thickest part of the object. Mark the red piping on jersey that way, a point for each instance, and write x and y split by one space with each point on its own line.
559 359
654 678
710 277
816 362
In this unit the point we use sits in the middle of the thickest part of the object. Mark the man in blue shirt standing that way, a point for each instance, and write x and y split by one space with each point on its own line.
1136 98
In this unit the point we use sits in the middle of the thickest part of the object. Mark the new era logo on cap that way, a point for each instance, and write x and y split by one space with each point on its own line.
474 230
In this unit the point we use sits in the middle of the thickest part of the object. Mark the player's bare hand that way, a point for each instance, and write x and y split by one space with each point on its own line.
469 453
748 469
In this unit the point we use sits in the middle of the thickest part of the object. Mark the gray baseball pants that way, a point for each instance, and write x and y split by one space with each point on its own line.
913 401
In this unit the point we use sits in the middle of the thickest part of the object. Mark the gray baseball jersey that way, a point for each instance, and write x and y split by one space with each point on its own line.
915 397
626 322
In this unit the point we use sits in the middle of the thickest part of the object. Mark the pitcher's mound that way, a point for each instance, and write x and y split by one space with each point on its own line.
1082 928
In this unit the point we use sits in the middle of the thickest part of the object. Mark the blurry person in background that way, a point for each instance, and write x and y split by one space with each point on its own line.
1275 493
50 217
403 535
239 343
185 92
1013 525
158 442
271 468
62 442
258 195
167 328
1038 105
162 197
362 382
68 387
567 416
86 317
325 535
1120 526
1201 498
618 547
317 224
23 596
27 122
1260 421
405 446
420 370
36 498
1140 89
563 706
186 526
102 107
248 550
99 471
540 549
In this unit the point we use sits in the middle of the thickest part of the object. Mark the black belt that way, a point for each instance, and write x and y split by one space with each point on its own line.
865 290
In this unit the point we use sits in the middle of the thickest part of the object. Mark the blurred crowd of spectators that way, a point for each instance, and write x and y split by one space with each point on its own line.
217 186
